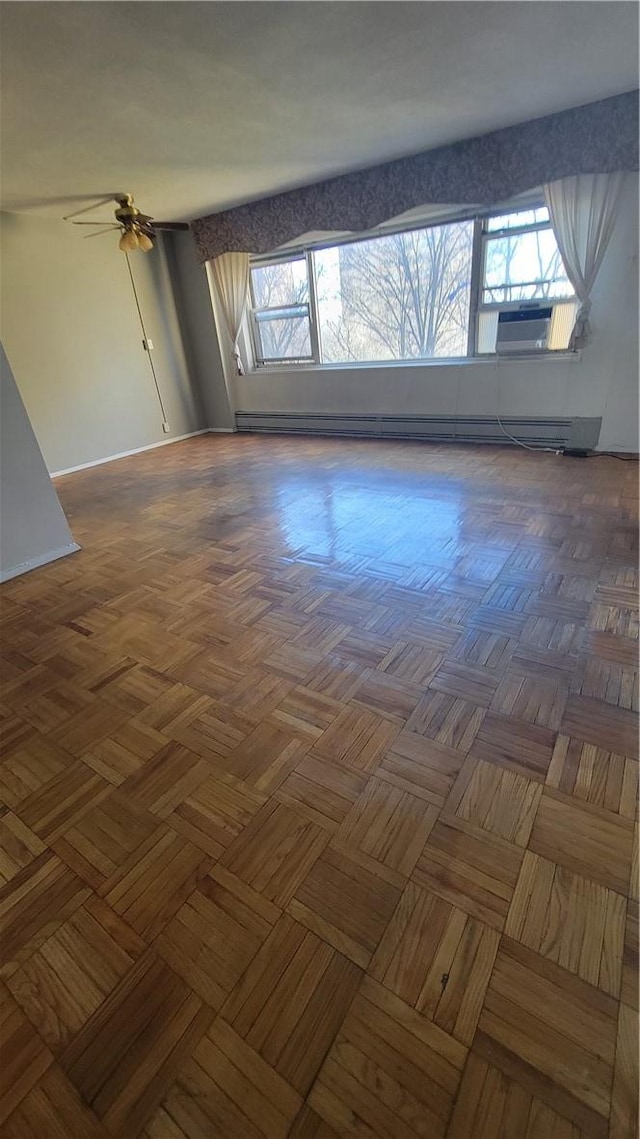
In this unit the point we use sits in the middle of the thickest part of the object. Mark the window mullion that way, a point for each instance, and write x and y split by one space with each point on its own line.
476 286
314 323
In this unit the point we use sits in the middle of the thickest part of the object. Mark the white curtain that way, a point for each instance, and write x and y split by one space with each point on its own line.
230 276
583 211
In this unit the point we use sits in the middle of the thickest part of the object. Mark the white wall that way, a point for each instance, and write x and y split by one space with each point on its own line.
603 382
33 528
71 330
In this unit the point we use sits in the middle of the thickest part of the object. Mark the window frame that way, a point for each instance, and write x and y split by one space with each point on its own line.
311 317
481 236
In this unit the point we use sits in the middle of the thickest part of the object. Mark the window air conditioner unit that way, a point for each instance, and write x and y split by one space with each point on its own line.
524 329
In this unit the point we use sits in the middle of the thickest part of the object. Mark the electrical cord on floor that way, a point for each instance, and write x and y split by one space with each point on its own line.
608 455
519 442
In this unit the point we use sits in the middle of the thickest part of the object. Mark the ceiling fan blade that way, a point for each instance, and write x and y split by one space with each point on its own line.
93 206
177 225
111 224
99 233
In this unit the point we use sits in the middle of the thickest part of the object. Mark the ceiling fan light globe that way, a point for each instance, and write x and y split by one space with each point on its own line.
144 243
129 241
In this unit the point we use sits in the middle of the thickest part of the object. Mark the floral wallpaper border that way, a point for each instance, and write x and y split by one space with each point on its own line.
595 138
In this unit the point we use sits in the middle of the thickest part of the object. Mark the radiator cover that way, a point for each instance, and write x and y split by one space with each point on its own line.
537 432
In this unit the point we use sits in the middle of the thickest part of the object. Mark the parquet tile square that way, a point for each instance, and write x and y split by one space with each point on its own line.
15 733
267 756
470 868
32 906
390 697
25 771
154 880
62 801
474 683
18 845
258 693
166 779
495 799
570 920
307 711
599 723
212 939
606 680
514 744
347 900
538 701
413 663
447 719
437 959
594 775
420 765
25 1058
389 824
292 1000
390 1072
57 706
82 731
491 1105
357 738
335 678
73 971
216 812
322 791
585 839
158 1020
208 674
228 1091
275 851
98 844
123 753
562 1028
54 1108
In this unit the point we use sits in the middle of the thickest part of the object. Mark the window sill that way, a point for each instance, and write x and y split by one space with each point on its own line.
453 362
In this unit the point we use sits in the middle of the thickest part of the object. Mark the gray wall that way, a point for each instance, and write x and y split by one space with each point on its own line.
70 327
33 528
193 304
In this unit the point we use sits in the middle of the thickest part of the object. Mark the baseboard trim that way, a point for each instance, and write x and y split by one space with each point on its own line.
41 560
125 454
222 430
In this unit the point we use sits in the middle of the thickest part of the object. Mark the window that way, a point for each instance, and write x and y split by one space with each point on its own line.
441 291
522 276
401 297
281 312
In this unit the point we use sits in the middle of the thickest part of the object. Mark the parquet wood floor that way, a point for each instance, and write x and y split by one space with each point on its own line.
319 799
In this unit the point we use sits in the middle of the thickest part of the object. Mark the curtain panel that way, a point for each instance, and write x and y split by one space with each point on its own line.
596 138
583 212
230 279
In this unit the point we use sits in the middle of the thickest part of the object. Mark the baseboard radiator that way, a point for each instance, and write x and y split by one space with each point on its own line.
432 428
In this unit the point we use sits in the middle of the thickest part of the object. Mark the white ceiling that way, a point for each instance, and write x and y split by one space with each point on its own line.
195 107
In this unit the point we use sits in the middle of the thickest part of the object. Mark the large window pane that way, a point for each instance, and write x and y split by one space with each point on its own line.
400 297
523 266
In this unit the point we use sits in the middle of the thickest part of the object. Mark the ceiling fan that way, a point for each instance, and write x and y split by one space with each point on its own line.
137 230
